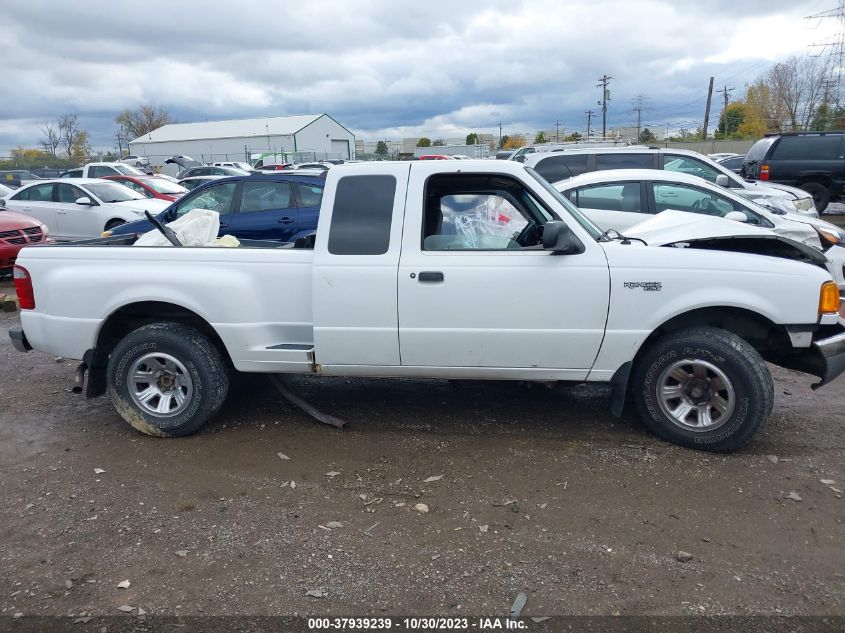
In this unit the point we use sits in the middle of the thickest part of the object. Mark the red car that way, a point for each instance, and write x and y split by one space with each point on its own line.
16 231
152 186
276 166
436 157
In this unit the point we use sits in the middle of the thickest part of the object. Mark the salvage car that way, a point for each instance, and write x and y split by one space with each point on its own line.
279 206
395 284
80 208
152 186
622 198
16 231
557 166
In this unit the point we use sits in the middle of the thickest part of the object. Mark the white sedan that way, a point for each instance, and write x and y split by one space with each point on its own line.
619 199
81 208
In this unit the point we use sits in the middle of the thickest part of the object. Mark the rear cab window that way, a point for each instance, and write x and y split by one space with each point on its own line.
562 166
362 215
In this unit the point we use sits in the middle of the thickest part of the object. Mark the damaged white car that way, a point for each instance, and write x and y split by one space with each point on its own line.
620 199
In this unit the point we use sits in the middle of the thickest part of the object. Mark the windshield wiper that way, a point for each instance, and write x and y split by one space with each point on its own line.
613 234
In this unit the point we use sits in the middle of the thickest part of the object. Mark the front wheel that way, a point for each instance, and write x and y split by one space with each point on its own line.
167 379
703 388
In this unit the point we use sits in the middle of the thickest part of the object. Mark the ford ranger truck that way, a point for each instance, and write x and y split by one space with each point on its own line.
442 269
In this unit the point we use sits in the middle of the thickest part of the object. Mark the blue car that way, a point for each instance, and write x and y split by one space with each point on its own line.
278 207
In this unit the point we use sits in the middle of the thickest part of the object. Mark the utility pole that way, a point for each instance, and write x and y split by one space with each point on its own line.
638 108
589 114
605 97
557 131
707 110
500 135
725 92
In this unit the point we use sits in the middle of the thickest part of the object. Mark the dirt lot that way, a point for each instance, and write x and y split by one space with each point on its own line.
212 524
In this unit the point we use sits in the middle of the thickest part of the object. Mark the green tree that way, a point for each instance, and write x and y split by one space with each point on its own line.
731 120
438 142
472 138
540 137
575 136
424 142
514 142
504 141
647 136
381 148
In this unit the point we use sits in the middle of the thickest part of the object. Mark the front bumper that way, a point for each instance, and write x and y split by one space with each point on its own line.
19 341
824 358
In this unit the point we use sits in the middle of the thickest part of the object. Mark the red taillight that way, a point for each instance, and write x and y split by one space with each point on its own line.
23 286
764 172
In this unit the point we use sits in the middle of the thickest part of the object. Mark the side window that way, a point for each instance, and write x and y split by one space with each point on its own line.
677 197
201 171
98 171
621 196
309 195
474 212
807 148
217 198
68 193
38 193
691 166
361 216
562 166
262 195
624 160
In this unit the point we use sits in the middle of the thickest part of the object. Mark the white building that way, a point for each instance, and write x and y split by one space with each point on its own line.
305 137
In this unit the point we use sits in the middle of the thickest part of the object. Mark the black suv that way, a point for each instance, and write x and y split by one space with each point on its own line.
813 161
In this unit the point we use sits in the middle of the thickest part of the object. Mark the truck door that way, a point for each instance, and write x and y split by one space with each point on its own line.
477 291
355 260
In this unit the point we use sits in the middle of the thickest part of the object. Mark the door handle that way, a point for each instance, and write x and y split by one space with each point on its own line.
224 226
61 212
430 277
286 220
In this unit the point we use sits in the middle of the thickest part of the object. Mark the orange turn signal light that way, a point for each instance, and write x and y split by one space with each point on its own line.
829 298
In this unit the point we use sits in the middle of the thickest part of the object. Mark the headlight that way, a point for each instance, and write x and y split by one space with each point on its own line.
831 237
804 204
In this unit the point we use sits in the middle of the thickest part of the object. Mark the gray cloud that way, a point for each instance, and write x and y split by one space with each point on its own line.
382 67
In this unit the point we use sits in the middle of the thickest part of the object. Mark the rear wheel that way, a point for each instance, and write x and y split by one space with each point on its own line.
820 193
167 379
703 388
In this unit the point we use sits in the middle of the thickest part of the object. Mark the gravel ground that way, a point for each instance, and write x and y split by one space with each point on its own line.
536 490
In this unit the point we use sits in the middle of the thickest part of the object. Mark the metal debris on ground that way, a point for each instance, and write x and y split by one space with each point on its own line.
434 478
421 507
332 473
305 406
369 530
316 593
99 471
333 525
123 584
182 553
282 456
518 605
483 528
126 608
793 496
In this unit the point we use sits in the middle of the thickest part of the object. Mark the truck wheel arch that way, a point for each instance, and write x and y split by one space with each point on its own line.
760 332
130 317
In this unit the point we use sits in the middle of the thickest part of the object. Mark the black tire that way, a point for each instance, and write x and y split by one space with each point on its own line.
742 366
820 193
113 223
204 368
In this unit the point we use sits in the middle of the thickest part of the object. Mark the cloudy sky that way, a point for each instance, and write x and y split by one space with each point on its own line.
387 68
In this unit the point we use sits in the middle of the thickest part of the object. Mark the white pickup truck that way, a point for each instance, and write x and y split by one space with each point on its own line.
443 269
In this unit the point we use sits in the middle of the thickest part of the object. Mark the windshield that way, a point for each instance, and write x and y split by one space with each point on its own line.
127 170
162 185
585 222
113 192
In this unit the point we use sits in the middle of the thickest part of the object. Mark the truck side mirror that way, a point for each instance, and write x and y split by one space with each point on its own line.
722 180
558 238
